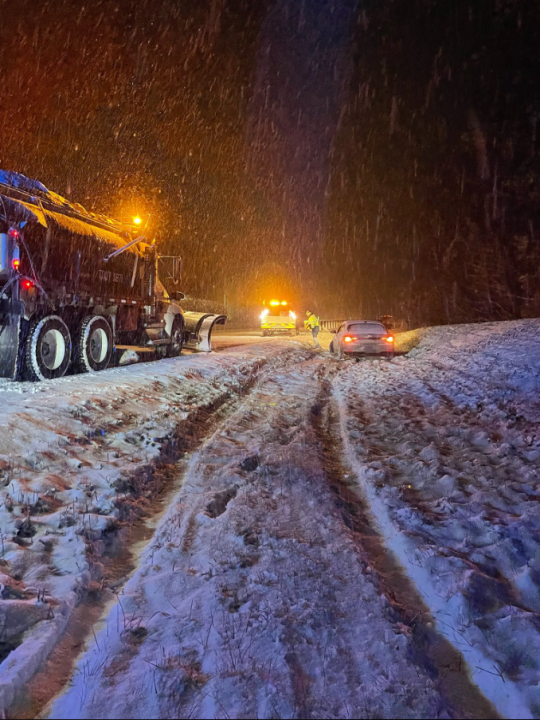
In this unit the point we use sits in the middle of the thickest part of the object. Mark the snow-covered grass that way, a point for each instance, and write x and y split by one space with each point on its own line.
77 458
446 446
405 341
252 599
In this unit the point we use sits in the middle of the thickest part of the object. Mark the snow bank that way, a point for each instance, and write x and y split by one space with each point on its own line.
446 446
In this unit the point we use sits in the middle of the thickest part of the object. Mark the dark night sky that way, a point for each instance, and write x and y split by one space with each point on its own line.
303 69
435 178
366 156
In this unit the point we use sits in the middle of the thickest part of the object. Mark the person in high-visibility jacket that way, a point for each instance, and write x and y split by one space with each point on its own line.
312 323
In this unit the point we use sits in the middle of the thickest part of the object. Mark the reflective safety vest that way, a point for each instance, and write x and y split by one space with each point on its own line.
312 322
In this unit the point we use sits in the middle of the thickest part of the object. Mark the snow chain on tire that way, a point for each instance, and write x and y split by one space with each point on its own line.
48 349
94 344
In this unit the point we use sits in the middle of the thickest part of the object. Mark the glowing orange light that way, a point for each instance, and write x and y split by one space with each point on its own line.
274 302
389 338
16 264
348 338
283 302
137 220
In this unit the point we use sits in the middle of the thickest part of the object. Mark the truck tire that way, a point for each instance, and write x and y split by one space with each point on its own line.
48 349
177 337
94 344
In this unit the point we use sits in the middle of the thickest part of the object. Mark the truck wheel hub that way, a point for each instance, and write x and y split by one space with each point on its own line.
53 349
98 345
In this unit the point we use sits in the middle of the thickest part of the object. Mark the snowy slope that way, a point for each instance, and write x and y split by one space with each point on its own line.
446 446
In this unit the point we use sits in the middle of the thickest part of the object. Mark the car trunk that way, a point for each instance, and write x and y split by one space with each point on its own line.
368 339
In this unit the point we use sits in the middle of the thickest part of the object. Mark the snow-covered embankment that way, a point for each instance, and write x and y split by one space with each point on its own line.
446 447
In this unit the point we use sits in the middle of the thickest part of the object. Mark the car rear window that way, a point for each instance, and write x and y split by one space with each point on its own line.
367 328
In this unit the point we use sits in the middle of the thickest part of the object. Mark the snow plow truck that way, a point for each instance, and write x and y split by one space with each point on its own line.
78 290
277 318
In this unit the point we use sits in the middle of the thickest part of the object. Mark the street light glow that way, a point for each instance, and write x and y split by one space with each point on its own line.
137 220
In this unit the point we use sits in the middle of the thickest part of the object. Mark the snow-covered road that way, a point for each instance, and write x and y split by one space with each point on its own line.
252 599
320 539
80 460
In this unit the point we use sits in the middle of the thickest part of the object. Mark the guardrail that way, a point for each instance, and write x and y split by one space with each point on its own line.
330 324
399 326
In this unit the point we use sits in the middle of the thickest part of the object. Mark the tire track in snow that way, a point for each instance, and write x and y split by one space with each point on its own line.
252 600
113 558
454 502
431 650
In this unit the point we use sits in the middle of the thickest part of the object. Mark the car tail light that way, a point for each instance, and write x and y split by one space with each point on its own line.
349 338
390 338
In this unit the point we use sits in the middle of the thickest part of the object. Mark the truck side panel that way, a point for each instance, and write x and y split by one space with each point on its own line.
76 265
